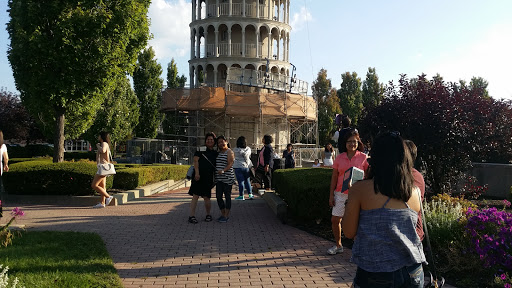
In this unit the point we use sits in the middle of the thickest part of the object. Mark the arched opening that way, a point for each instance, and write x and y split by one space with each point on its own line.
203 9
282 44
264 40
236 40
275 43
210 42
209 77
223 40
283 71
199 76
222 73
250 66
250 41
236 65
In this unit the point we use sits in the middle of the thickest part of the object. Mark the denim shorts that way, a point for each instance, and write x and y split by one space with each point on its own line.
406 277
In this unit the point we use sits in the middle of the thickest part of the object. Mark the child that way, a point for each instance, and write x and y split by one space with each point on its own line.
316 164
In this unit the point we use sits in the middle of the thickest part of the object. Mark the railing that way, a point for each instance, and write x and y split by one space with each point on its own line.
213 10
266 80
237 9
223 9
236 49
208 50
307 155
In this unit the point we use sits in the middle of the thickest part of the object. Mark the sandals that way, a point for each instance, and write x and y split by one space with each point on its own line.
208 218
192 219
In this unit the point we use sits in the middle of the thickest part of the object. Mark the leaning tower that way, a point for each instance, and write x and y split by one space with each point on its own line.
246 34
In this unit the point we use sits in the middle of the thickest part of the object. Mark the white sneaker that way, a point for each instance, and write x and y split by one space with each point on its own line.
334 250
108 200
99 205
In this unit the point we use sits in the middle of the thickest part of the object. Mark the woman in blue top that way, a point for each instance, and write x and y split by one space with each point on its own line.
381 213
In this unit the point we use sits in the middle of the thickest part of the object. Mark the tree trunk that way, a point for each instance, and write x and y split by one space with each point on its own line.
58 141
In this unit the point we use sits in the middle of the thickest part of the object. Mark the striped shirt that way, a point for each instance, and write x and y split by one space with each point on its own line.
227 177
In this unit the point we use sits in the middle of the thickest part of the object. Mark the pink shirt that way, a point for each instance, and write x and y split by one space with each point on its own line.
342 163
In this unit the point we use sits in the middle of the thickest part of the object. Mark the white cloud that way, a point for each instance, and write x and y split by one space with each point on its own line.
300 19
488 57
169 26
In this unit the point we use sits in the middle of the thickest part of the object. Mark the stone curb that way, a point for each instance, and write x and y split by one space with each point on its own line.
276 204
119 198
162 186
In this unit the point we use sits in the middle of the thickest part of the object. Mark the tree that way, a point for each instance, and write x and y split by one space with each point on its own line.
148 88
373 91
479 85
452 125
172 121
328 106
15 122
118 115
173 80
66 54
350 95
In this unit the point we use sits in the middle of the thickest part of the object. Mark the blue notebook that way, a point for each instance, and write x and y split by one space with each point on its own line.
351 176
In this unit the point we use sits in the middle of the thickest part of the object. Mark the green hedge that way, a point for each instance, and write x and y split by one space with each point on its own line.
130 178
305 190
47 178
68 156
32 150
18 160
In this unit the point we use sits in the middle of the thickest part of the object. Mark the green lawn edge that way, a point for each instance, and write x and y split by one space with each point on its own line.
59 259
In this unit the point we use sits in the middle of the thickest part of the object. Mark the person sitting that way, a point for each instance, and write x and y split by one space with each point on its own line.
316 164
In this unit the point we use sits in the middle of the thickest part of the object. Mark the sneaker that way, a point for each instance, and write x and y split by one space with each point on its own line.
251 196
240 198
108 200
99 205
222 219
334 250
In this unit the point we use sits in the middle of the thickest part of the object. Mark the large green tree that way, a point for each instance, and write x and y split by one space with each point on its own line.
373 91
328 106
118 115
350 95
148 88
66 53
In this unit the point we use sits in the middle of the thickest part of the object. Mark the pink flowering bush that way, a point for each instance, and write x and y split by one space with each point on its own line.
6 235
490 233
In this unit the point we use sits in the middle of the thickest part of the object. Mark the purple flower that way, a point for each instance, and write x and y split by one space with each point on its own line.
506 203
507 285
17 212
503 276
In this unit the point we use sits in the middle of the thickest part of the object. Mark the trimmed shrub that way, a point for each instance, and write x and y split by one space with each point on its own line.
32 150
46 178
18 160
130 178
305 190
68 156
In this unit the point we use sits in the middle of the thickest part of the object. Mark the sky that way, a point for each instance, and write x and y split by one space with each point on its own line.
459 39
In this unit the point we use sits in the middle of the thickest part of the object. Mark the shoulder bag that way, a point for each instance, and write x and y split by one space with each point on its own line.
107 168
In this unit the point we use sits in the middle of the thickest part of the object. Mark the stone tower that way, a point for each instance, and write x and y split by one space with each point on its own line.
246 34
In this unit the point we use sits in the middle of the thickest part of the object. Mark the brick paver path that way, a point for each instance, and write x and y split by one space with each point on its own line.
153 245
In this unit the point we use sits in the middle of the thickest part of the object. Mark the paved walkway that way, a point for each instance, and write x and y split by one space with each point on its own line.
153 245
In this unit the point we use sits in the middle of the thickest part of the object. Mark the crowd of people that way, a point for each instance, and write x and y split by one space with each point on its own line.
382 212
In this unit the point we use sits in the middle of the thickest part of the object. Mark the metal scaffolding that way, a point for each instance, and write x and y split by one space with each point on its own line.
241 107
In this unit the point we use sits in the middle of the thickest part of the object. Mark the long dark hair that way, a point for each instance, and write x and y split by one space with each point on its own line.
241 142
391 166
352 132
1 138
105 136
329 150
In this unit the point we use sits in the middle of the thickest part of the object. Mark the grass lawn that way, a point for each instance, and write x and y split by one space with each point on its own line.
60 259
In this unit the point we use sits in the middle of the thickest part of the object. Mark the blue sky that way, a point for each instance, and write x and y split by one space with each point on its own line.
457 39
